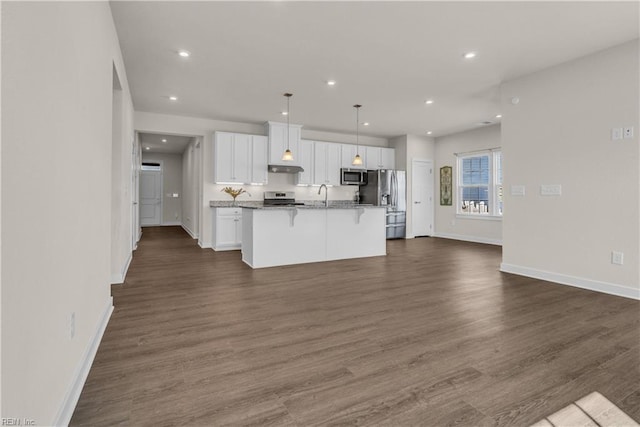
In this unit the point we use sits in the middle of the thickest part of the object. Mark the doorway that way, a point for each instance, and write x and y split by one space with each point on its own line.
422 197
151 194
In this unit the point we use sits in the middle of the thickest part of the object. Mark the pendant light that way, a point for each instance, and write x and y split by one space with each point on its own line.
357 160
288 155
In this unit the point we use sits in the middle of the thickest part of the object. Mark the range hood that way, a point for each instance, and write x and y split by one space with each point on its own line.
285 169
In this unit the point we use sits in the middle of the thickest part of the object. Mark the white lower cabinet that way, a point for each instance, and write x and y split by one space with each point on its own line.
227 229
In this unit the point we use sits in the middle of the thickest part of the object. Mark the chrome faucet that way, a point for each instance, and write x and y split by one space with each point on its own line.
326 193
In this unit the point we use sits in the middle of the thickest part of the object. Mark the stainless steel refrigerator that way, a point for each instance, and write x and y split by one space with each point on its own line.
387 187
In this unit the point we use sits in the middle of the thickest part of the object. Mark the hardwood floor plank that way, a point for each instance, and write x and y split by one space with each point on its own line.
431 335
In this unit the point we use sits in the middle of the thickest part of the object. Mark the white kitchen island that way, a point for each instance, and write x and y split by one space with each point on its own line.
273 236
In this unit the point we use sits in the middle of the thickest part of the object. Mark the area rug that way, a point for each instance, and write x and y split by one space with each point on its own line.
593 410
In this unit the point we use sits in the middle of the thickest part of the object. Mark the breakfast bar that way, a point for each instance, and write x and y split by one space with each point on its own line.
274 236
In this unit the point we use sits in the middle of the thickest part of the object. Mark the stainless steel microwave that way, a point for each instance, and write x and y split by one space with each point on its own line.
353 176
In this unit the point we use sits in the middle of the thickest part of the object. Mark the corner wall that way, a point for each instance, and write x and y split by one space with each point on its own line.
447 224
57 63
560 133
190 186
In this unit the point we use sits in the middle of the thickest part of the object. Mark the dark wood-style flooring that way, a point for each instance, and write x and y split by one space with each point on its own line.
431 335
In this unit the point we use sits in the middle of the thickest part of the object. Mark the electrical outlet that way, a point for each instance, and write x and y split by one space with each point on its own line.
72 325
617 258
628 132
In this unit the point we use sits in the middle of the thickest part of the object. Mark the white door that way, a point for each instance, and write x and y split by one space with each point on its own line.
150 198
422 197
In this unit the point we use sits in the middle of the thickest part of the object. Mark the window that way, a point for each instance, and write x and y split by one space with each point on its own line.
151 166
480 183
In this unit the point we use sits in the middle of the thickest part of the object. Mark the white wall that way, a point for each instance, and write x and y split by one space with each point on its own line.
560 133
171 183
190 187
446 223
56 199
168 124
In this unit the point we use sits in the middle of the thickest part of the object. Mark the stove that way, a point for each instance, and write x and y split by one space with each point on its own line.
281 198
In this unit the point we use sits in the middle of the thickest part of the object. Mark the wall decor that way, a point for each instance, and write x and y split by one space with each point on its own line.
446 186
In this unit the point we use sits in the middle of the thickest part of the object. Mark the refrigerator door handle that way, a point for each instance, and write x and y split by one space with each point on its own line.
394 190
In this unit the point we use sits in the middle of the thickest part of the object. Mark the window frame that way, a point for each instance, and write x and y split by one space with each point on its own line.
494 185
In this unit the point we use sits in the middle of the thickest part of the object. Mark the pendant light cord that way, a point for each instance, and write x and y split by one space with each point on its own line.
288 114
357 130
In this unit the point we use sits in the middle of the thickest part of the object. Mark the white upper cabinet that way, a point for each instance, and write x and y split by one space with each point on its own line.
349 152
326 165
240 158
259 159
232 157
388 158
306 157
278 142
380 158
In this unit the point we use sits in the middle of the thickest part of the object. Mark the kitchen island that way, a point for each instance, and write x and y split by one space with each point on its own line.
273 236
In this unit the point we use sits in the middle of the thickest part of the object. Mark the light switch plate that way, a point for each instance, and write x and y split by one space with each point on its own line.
517 190
551 190
616 133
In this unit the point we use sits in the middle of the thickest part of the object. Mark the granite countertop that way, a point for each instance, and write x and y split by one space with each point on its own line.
308 204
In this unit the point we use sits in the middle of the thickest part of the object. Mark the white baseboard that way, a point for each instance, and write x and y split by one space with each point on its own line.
466 238
189 232
118 279
170 223
82 371
204 245
578 282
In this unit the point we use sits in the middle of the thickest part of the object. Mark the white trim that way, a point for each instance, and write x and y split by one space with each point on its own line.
227 248
189 232
203 246
168 224
578 282
465 238
119 279
72 395
484 217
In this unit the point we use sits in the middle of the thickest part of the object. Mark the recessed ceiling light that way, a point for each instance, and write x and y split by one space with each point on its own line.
429 133
164 140
173 98
285 113
184 53
469 55
147 148
428 101
498 116
365 124
331 82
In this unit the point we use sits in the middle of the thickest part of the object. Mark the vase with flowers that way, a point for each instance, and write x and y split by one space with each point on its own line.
234 192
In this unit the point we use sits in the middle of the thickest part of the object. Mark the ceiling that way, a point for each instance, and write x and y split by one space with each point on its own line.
166 144
388 56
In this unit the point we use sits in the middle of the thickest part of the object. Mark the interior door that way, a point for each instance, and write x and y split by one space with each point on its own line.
422 198
150 198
